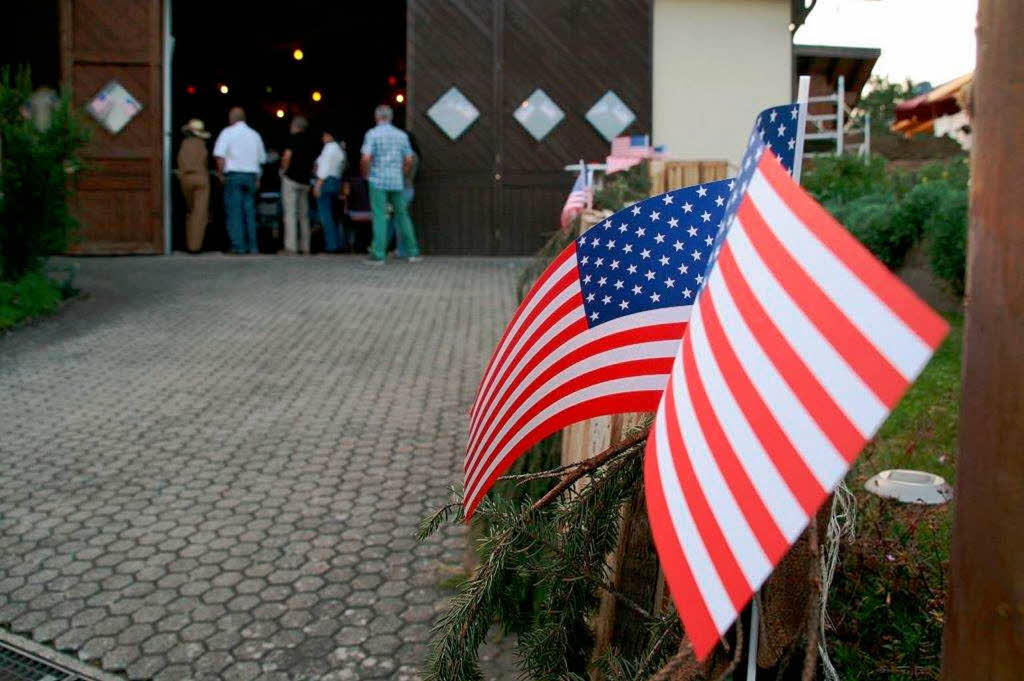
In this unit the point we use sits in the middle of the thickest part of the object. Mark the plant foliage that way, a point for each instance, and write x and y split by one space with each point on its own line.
560 549
624 188
35 220
891 210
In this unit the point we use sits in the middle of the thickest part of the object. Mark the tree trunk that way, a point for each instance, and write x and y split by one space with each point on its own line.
984 634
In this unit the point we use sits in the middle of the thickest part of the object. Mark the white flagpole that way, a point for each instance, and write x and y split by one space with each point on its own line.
803 92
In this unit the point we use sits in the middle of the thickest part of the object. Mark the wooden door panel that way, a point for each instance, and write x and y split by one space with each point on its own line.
497 52
120 193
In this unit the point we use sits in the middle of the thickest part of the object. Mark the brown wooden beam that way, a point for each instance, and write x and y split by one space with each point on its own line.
984 633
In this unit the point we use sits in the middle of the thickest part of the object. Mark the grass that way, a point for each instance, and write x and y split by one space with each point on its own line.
889 594
34 295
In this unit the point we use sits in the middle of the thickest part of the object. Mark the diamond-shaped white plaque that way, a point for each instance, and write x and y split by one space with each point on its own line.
610 116
538 114
113 107
453 113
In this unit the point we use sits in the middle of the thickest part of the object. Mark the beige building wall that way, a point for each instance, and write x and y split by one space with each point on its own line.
716 64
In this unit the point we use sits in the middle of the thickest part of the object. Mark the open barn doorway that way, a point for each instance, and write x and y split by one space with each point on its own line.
331 62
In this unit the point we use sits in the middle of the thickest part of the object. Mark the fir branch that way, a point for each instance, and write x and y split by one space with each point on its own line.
540 475
448 513
589 466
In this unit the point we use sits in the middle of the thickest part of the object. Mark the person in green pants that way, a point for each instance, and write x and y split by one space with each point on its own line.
387 157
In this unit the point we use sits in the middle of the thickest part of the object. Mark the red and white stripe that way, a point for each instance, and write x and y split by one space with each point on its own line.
577 201
551 370
798 347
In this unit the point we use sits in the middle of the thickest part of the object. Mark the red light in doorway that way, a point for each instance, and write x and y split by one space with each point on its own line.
191 90
392 81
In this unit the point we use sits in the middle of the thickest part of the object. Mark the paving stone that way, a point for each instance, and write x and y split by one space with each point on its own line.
217 465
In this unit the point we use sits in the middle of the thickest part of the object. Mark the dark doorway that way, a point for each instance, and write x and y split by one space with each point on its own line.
352 54
31 37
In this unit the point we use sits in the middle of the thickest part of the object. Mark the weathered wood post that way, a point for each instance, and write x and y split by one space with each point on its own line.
984 633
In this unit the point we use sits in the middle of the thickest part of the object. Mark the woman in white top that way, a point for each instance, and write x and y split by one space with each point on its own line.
329 167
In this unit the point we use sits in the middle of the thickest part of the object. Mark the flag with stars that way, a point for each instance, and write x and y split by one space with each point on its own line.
797 348
597 333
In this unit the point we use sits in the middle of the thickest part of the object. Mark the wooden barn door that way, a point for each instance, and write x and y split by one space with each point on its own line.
495 190
119 200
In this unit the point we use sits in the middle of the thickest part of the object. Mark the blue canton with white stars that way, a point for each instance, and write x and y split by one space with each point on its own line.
652 254
776 129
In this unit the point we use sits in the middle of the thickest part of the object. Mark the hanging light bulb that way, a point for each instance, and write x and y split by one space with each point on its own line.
279 113
298 54
223 89
399 98
317 96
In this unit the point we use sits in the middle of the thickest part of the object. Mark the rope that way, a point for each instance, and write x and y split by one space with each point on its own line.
841 523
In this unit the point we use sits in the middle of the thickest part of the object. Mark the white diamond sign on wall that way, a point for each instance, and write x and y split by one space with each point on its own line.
113 107
538 114
453 113
610 116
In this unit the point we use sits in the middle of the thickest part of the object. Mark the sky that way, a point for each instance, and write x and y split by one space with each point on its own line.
925 40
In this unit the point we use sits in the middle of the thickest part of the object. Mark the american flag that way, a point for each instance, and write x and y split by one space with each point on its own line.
797 348
578 199
597 333
636 146
628 151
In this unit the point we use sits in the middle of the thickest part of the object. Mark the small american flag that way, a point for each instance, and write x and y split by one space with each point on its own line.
628 151
580 197
797 348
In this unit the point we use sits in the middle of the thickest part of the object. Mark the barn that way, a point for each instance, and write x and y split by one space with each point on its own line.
499 94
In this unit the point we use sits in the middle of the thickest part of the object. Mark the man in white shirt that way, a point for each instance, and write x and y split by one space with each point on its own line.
329 167
240 157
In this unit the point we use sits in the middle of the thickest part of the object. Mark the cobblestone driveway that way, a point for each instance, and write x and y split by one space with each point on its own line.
213 467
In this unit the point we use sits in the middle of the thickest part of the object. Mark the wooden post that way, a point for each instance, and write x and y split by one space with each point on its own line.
984 632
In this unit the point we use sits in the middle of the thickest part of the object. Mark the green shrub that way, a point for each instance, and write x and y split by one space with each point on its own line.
623 188
946 230
31 296
870 219
34 189
836 180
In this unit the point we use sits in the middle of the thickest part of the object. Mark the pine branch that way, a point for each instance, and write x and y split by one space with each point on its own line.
589 466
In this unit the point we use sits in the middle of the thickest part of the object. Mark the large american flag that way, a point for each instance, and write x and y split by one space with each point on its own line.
798 347
579 198
597 333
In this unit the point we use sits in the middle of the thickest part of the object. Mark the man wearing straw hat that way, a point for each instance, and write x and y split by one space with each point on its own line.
194 174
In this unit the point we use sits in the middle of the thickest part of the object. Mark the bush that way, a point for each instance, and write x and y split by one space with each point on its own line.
34 190
946 231
891 210
836 180
31 296
623 188
872 219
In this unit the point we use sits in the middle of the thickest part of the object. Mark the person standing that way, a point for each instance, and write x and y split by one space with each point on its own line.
240 157
329 166
386 158
194 175
296 171
409 192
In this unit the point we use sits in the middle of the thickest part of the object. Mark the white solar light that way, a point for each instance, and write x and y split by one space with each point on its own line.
910 487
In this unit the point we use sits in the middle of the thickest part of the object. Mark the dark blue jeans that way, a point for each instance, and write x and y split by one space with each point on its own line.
240 209
324 202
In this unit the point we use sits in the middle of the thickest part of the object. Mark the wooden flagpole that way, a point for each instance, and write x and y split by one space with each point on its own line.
984 625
